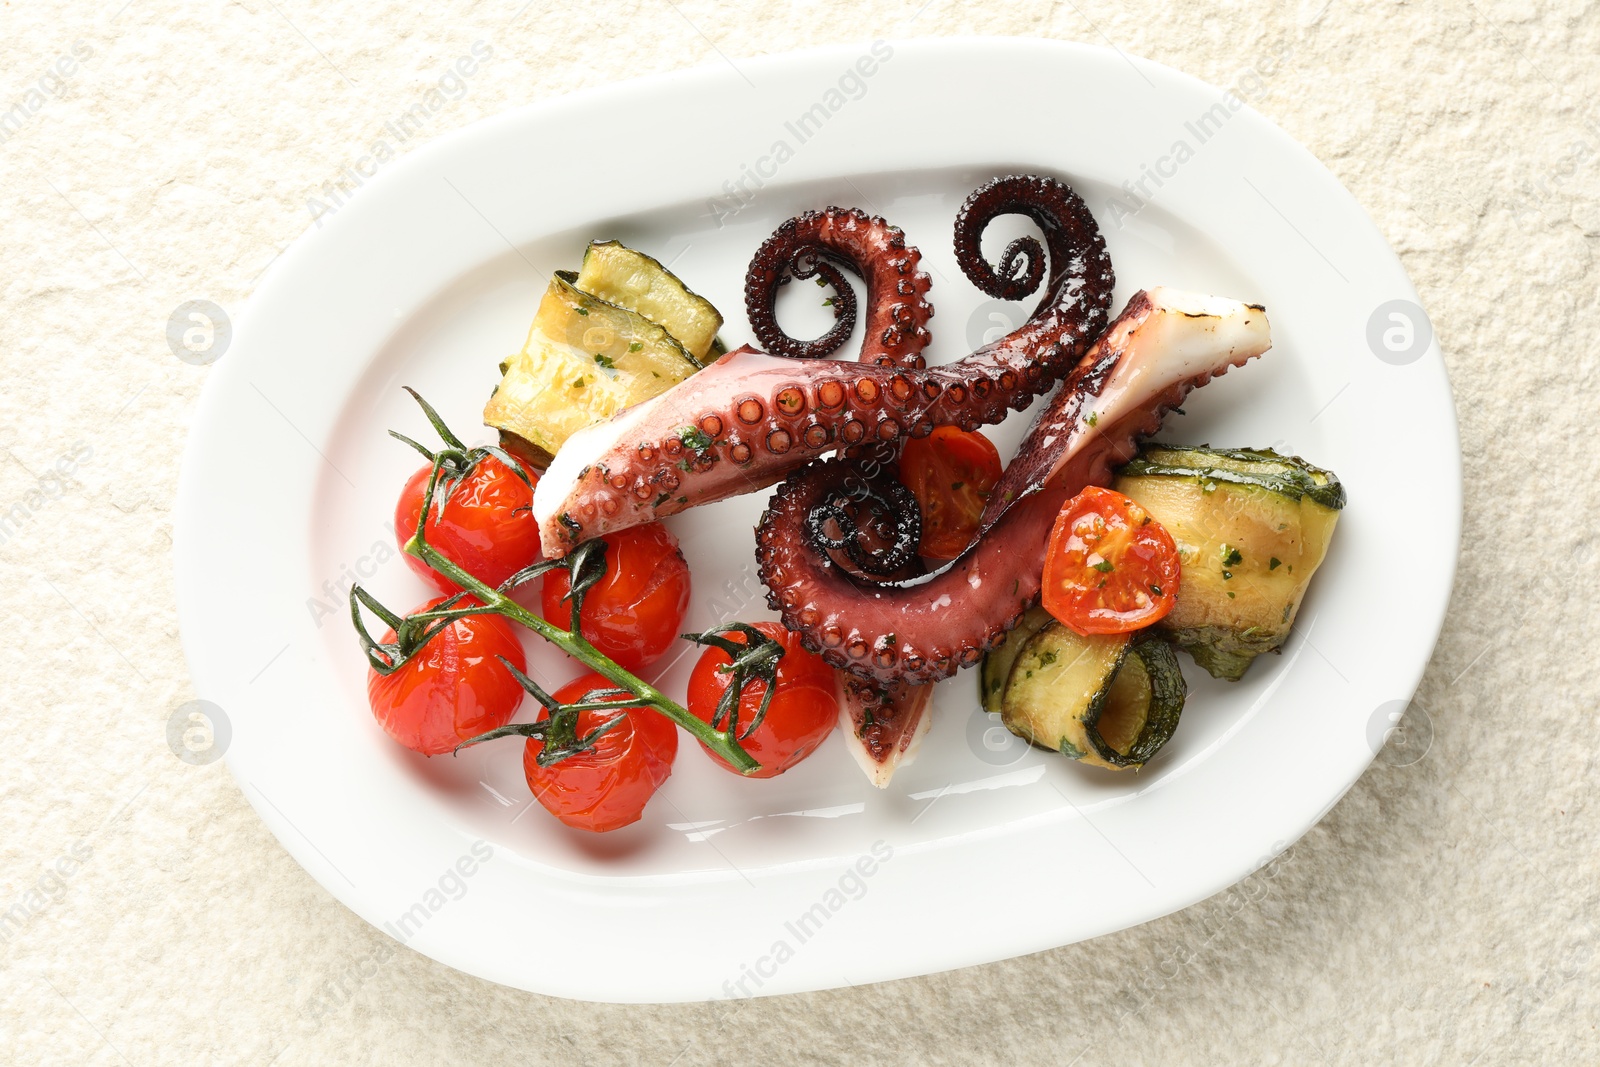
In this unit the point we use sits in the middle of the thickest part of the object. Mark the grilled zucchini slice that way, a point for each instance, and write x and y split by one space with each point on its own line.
1252 527
1108 700
585 359
633 280
996 669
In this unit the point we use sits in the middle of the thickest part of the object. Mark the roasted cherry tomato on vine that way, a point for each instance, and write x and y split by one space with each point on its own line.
633 613
1110 568
606 786
453 688
486 526
950 472
804 708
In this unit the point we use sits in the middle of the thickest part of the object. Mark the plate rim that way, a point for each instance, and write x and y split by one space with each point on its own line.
189 510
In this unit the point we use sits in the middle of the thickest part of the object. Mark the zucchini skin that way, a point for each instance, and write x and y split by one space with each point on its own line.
1288 476
525 451
1060 686
1226 653
997 662
1168 692
1252 527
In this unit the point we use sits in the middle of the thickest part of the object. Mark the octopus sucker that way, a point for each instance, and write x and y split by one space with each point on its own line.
883 725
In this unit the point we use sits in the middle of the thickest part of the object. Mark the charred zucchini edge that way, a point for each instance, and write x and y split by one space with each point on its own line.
1045 713
1298 479
1168 692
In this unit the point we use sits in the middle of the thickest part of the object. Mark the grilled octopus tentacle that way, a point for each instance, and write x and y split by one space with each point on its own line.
1164 344
749 419
897 308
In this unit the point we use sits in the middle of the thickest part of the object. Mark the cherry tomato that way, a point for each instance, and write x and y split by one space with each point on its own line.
1110 567
453 688
804 709
607 786
950 472
635 612
486 527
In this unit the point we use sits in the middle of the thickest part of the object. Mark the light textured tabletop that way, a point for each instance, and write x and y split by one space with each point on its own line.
164 152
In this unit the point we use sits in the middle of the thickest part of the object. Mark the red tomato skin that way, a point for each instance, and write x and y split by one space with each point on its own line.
453 689
608 786
1143 558
636 611
804 709
487 526
931 467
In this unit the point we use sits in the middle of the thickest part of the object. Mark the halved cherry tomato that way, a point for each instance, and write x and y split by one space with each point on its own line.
607 786
950 472
1110 568
634 613
453 688
804 708
487 525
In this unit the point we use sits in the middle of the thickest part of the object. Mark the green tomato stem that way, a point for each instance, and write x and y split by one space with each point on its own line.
721 742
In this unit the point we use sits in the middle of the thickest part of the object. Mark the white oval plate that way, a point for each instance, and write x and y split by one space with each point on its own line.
980 850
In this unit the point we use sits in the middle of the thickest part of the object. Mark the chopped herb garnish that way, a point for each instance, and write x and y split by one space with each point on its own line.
956 485
1274 563
634 346
1230 596
662 499
1047 658
582 310
1092 418
579 383
1104 566
604 361
828 303
1227 575
1156 590
1231 556
694 437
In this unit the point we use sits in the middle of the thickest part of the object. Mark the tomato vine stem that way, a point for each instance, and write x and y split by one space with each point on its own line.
586 564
